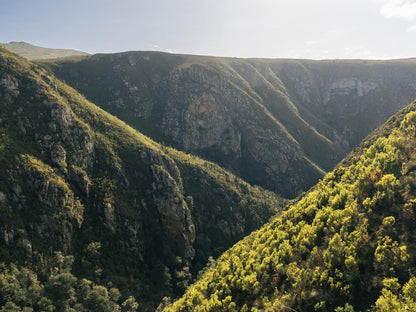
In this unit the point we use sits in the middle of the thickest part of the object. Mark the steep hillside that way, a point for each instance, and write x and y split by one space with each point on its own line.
33 52
349 245
128 212
276 123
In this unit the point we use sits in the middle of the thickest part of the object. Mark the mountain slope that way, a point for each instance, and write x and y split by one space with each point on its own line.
132 213
348 245
33 52
276 123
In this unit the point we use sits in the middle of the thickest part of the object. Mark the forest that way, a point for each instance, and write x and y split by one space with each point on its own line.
348 245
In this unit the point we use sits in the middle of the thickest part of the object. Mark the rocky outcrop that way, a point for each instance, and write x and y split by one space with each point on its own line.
10 87
349 86
222 123
65 173
76 180
276 123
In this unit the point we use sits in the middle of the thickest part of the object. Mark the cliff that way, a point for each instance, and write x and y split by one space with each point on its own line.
280 124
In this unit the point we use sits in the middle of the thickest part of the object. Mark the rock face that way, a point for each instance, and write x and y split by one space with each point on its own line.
72 175
276 123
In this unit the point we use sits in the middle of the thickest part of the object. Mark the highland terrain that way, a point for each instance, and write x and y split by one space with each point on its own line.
280 124
134 197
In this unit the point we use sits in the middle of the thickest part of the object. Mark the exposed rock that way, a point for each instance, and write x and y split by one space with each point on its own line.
3 198
8 236
17 189
275 123
61 114
50 82
80 178
174 212
11 88
347 86
231 230
22 124
109 217
3 60
10 85
204 125
58 155
27 246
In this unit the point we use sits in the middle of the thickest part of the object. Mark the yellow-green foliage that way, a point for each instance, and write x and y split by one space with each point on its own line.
333 249
75 175
44 173
35 166
395 298
222 177
22 290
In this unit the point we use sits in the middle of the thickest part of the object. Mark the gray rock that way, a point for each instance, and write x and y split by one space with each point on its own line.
3 198
27 246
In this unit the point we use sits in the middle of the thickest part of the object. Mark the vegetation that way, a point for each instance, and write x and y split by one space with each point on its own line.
21 289
32 52
97 216
348 245
280 124
131 213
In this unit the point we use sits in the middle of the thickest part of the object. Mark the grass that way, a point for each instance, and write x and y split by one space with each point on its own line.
32 52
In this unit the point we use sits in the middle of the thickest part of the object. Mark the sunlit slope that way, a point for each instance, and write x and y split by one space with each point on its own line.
348 245
133 213
33 52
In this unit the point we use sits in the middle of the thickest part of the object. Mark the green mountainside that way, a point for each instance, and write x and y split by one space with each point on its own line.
96 216
92 211
33 52
348 245
280 124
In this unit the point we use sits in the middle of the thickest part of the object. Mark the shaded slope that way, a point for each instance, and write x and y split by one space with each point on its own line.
276 123
202 105
352 97
337 248
134 213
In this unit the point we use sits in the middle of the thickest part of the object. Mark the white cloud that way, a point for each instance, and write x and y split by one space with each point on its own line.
361 52
412 28
403 9
332 32
154 47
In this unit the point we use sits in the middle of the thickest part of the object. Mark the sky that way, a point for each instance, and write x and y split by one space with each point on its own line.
312 29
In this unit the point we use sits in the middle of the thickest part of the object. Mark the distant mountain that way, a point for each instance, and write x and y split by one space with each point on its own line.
348 245
85 196
280 124
33 52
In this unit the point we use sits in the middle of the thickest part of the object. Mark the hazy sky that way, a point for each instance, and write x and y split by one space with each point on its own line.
243 28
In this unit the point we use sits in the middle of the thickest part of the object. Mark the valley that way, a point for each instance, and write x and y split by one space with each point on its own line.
144 180
280 124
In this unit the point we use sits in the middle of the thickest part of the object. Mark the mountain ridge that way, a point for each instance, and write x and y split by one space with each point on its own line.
33 52
265 120
130 212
